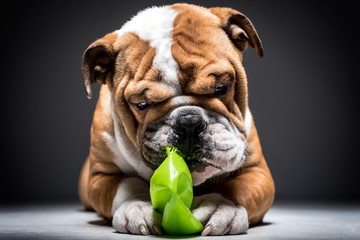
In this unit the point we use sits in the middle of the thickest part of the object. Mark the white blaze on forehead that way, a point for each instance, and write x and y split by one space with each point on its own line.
155 25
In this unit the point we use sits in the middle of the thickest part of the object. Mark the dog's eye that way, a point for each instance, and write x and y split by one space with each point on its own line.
142 106
221 90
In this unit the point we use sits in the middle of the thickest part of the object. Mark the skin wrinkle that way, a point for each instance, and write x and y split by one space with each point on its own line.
182 38
146 66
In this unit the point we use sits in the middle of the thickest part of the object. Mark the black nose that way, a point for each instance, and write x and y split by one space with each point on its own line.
188 129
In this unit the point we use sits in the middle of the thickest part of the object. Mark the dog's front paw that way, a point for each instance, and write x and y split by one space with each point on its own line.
137 217
220 216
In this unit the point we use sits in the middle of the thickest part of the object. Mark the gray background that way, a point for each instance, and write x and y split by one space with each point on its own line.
303 94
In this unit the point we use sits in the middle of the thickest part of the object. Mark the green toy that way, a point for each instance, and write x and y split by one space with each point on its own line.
171 193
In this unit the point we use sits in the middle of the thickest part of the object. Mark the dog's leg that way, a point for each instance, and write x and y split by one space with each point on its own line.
241 200
101 190
126 200
83 185
219 215
253 188
132 209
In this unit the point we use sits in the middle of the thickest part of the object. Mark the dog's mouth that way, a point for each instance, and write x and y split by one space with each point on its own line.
153 158
195 163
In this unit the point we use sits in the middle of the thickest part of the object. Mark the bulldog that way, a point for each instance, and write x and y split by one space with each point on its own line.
173 76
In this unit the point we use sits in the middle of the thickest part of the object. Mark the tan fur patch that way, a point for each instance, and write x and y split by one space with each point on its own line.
207 58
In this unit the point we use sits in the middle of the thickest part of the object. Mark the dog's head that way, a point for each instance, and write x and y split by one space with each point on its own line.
176 79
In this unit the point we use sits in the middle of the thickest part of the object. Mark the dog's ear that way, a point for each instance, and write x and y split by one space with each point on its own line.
98 61
239 28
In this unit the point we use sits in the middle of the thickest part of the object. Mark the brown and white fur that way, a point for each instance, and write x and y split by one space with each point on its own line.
173 76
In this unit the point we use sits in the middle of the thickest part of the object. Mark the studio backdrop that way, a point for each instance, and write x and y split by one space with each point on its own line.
303 94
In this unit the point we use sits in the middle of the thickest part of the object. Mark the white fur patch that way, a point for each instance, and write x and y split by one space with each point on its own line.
119 157
128 189
181 100
248 121
155 25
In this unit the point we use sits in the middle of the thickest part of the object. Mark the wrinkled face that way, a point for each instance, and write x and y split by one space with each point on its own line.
178 81
182 93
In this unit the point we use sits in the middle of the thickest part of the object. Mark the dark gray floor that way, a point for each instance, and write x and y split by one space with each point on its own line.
284 221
